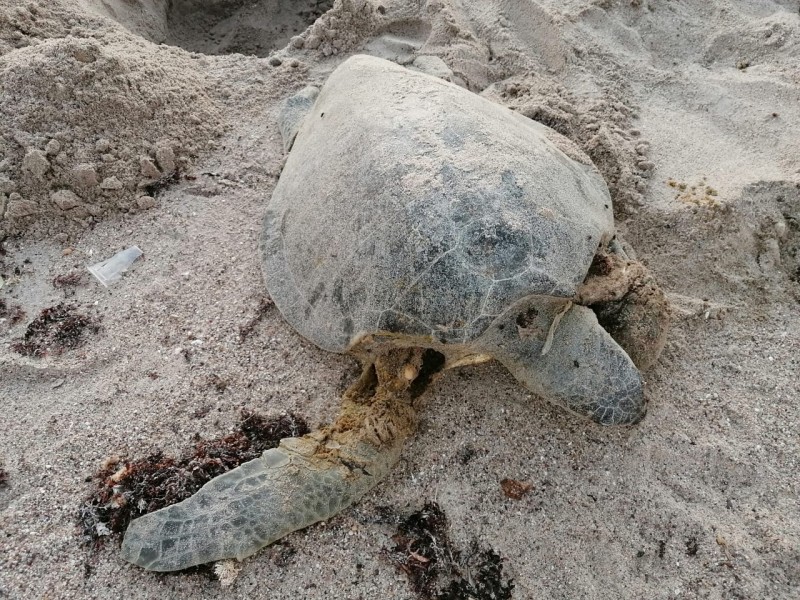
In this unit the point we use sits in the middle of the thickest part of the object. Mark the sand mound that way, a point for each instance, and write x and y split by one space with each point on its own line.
89 124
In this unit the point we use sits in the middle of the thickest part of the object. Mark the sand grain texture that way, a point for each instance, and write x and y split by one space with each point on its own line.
111 135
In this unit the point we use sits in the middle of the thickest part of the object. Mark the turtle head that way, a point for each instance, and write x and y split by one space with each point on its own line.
628 303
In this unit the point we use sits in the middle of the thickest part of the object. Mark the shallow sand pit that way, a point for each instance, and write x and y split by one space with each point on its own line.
217 26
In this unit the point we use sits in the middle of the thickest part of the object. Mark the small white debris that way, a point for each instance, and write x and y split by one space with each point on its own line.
110 271
227 571
553 327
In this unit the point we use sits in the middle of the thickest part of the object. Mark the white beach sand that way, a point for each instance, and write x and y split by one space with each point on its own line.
690 108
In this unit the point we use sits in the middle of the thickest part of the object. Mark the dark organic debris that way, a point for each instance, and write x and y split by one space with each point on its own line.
56 329
466 454
154 188
13 314
69 280
264 304
282 553
602 264
438 571
692 546
515 489
3 477
486 581
422 548
432 363
129 489
217 383
528 318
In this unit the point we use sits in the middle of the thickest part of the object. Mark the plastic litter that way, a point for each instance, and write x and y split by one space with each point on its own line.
110 270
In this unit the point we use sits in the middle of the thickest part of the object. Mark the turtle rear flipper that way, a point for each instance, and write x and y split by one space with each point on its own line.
247 508
301 482
559 351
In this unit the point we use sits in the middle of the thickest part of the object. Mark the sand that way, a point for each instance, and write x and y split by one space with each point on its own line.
137 122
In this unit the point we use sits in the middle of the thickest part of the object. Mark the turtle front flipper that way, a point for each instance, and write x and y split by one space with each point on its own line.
303 481
292 113
559 351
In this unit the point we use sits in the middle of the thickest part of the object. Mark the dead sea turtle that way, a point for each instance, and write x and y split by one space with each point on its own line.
421 227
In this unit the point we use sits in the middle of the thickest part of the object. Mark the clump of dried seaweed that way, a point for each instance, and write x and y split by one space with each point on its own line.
436 570
56 329
128 489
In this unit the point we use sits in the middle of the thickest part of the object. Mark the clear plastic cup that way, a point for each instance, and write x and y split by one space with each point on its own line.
110 270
